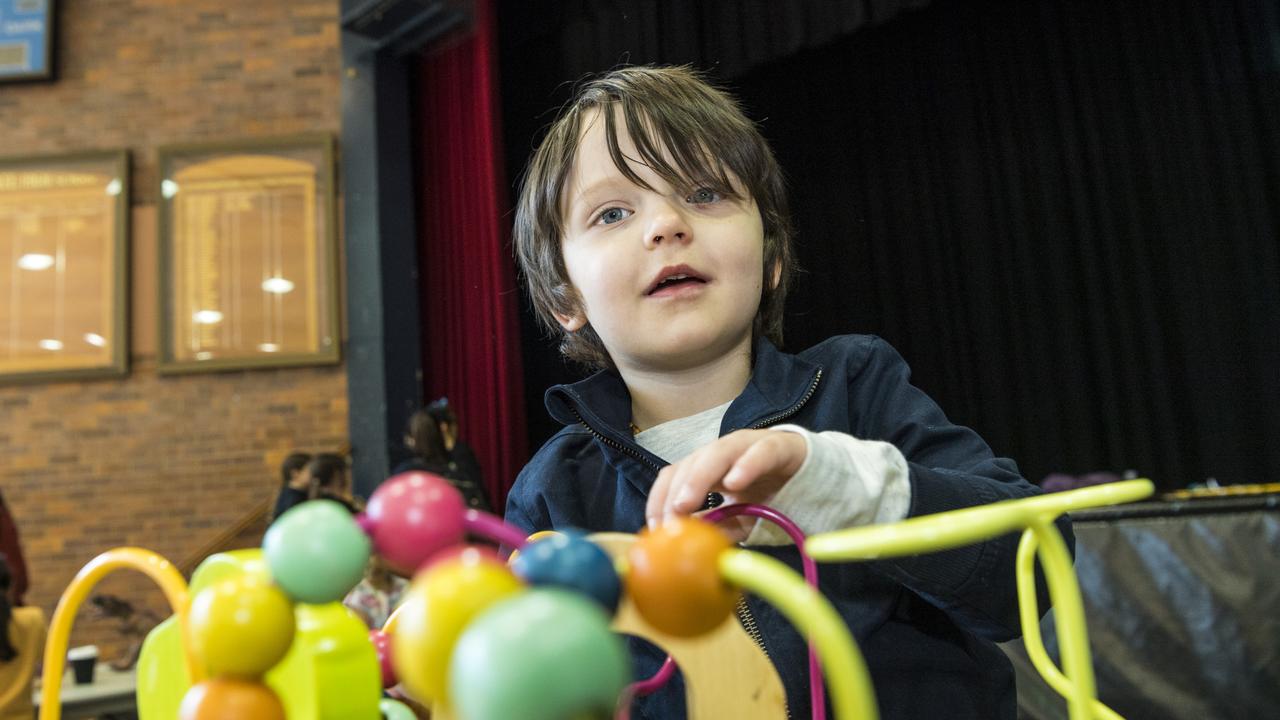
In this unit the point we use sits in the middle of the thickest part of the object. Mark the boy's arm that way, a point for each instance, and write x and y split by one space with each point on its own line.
844 482
946 467
974 583
525 507
517 516
950 467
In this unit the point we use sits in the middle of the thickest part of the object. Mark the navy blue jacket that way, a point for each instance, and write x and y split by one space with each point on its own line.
926 624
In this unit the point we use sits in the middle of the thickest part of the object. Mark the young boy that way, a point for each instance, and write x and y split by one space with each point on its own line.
653 232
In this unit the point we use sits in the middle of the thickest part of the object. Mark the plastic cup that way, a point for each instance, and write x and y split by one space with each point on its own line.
83 659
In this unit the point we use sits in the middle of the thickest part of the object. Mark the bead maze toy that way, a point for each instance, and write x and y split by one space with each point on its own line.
262 635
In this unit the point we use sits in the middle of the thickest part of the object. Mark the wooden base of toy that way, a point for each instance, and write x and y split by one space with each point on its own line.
726 674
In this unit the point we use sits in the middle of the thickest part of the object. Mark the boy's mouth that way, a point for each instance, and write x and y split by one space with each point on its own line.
675 276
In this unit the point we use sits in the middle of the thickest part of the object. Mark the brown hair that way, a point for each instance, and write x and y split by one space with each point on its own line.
292 464
667 111
424 430
327 472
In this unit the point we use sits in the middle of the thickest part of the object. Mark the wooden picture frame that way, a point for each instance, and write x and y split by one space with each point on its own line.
64 295
248 272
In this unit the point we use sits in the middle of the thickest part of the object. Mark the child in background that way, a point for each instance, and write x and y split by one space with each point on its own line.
328 480
378 593
653 233
22 636
294 483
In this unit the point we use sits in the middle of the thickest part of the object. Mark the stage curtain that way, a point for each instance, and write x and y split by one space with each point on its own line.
471 343
1064 213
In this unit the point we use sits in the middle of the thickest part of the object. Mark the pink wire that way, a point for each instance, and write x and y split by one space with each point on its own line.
817 700
494 528
655 683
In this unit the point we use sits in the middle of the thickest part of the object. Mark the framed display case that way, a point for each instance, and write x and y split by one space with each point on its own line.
64 266
248 268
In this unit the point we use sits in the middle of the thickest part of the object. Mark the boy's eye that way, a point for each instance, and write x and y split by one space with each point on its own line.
703 196
612 215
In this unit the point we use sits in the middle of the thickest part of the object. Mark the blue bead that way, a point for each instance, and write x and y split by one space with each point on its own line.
570 561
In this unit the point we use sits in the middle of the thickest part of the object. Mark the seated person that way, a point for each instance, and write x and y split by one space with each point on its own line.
462 459
328 480
22 636
423 438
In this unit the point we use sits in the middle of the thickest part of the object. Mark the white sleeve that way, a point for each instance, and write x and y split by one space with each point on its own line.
843 482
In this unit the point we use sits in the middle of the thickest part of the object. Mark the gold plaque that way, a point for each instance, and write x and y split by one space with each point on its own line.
63 266
247 271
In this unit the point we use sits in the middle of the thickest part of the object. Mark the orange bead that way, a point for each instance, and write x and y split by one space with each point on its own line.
674 577
228 699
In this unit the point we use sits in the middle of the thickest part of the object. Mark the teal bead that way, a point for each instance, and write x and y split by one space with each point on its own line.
395 710
546 654
316 552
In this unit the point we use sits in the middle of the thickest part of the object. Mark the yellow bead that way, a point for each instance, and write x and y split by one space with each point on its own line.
439 605
241 627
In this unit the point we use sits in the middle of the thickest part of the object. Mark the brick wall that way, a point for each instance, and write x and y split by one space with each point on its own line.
165 463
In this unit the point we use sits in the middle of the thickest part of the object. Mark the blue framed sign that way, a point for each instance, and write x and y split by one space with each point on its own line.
26 40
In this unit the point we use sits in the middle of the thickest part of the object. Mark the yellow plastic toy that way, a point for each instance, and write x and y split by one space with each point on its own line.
329 673
152 565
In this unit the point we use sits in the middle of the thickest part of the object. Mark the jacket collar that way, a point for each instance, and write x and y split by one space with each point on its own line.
779 382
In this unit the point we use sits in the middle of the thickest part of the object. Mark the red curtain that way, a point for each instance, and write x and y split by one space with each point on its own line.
471 343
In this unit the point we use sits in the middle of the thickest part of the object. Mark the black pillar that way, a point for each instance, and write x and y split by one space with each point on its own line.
384 373
384 350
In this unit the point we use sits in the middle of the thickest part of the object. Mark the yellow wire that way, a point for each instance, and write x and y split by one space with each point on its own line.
1028 607
930 533
806 608
1068 610
148 563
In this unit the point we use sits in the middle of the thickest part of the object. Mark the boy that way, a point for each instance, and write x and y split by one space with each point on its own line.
652 230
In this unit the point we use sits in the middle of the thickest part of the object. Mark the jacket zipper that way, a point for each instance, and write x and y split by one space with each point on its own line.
745 618
611 443
813 387
748 622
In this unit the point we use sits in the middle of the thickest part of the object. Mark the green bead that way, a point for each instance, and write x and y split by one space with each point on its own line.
395 710
316 552
546 654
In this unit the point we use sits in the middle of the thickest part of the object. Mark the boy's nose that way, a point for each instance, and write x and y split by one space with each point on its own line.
668 226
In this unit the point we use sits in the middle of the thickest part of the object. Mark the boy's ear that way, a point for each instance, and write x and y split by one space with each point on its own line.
575 319
571 323
777 275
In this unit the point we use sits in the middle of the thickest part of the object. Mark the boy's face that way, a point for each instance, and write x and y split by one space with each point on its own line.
668 278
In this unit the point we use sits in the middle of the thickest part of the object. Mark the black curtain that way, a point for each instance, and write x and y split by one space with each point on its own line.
1063 214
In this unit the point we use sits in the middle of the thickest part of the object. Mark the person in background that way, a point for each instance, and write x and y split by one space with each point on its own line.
11 548
461 457
22 636
294 482
425 438
328 480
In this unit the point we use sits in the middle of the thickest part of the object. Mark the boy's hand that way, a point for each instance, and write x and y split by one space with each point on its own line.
747 466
